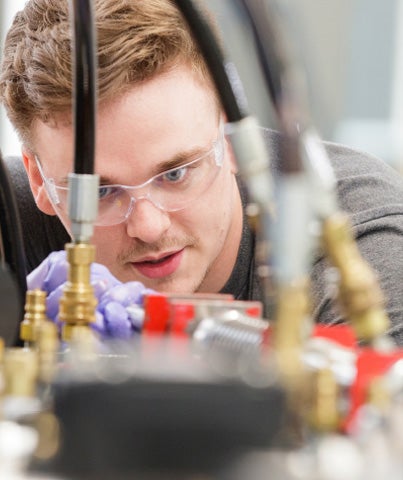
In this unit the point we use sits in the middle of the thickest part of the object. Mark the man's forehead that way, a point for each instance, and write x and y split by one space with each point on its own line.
141 124
53 145
116 164
60 123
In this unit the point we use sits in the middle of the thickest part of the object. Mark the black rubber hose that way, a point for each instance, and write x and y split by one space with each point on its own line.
214 59
12 238
84 102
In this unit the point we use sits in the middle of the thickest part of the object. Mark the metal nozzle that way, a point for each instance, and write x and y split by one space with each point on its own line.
83 205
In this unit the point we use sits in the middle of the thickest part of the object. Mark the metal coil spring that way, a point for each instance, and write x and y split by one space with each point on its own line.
233 332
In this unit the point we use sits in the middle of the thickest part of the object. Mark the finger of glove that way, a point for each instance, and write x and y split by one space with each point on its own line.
38 276
99 325
116 321
136 316
126 294
57 271
52 272
52 302
102 279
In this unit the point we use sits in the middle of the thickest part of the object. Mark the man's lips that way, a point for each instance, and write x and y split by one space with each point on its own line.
161 267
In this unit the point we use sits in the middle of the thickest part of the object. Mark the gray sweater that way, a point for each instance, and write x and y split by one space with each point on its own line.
370 191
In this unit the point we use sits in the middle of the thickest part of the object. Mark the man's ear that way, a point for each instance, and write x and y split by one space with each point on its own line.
36 183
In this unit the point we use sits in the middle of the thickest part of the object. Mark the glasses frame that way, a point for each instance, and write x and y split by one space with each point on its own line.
51 187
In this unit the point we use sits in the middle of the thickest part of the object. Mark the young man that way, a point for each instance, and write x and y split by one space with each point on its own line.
160 123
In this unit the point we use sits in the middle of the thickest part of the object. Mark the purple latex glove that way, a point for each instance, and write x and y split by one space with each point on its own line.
119 310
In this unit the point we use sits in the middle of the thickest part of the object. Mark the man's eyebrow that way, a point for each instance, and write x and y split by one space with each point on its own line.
180 158
175 162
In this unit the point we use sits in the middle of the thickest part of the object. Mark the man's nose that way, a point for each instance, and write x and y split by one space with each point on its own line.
147 222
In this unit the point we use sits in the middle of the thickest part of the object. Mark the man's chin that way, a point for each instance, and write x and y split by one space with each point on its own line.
175 285
171 286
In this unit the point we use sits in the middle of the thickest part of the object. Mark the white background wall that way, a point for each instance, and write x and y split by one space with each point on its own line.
353 54
352 51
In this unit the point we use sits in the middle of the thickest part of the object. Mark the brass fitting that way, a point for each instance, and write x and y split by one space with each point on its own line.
324 414
359 291
49 435
78 302
35 315
2 354
291 329
2 350
48 346
20 372
378 394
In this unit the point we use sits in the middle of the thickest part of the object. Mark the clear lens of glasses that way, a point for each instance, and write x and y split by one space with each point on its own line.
170 191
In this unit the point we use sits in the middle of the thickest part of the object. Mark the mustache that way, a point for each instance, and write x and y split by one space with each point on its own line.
141 249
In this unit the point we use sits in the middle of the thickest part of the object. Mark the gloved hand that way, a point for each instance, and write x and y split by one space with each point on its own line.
113 317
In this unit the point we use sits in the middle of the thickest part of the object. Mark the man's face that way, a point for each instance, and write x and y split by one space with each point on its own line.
168 119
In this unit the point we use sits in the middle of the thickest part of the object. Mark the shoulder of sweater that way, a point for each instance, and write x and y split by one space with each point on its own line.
345 160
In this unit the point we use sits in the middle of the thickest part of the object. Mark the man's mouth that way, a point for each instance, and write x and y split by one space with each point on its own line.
159 267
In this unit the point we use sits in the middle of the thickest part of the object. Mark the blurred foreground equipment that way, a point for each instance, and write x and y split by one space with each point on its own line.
212 387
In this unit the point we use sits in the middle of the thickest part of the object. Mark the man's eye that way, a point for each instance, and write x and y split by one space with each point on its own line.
104 192
174 175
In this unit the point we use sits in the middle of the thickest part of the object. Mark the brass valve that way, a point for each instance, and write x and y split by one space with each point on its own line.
78 302
291 329
35 315
359 291
20 372
378 394
324 414
2 350
39 332
47 346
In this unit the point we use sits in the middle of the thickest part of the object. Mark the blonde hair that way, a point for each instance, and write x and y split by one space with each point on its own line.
137 39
